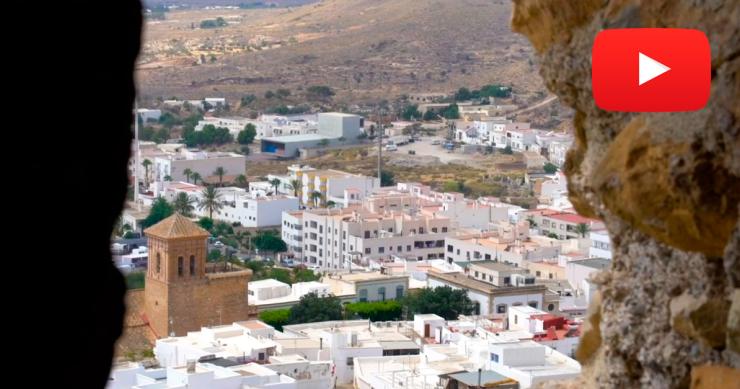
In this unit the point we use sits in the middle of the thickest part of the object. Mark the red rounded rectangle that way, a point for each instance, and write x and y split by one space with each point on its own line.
651 70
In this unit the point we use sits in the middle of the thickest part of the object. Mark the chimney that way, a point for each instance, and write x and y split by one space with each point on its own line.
191 366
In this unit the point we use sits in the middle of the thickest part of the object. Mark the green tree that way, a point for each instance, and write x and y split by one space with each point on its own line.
508 150
411 112
206 223
451 112
211 23
312 308
453 186
552 235
214 255
246 136
550 168
196 177
168 178
160 210
295 186
301 274
389 310
463 94
323 143
146 163
220 171
319 92
330 204
275 184
241 181
443 301
276 318
269 94
183 204
281 275
316 197
282 93
210 200
387 178
248 99
222 229
582 229
269 241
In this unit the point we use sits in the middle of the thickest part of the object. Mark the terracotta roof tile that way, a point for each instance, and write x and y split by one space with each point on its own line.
176 226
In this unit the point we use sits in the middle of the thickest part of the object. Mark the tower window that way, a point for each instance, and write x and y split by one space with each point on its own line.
192 265
179 266
159 263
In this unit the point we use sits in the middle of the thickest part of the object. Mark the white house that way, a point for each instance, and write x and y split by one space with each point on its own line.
529 363
601 246
268 289
292 232
148 115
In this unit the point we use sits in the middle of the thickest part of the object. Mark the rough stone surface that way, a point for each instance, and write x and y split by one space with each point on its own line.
713 377
733 324
667 186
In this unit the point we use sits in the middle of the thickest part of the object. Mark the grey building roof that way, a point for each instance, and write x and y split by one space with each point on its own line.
595 263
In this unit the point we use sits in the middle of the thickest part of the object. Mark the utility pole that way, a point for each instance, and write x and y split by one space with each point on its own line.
136 152
379 134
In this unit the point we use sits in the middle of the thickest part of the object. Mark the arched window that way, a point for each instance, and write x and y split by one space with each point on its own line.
192 265
550 307
159 263
180 266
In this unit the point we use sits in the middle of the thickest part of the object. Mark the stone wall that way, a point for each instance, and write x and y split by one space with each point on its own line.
667 186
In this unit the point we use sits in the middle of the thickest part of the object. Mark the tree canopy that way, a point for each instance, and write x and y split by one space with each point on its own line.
443 301
160 210
312 308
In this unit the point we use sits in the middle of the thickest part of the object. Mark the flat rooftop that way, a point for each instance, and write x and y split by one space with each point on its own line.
295 138
595 263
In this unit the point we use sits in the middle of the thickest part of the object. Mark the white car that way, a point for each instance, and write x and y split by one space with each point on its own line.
436 142
218 244
391 147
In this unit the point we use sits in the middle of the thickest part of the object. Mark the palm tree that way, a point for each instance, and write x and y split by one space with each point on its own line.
582 228
210 200
276 183
187 172
241 181
220 171
146 165
195 176
184 204
296 186
316 197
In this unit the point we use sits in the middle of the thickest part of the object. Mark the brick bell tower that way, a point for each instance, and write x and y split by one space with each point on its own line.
181 294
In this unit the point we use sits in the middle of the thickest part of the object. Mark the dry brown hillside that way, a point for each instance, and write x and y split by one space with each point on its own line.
364 49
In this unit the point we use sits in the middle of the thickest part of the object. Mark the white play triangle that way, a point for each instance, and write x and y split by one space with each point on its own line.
650 68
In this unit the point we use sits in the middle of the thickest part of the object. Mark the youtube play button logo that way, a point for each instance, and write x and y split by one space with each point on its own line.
651 70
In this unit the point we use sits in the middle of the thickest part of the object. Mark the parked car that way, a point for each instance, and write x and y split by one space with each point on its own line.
412 152
436 142
391 147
